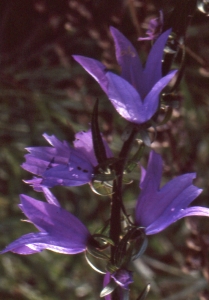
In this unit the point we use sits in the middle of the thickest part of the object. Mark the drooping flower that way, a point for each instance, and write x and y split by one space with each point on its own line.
62 164
123 278
59 230
154 28
134 94
156 207
120 278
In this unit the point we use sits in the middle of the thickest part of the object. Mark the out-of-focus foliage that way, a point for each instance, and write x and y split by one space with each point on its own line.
43 90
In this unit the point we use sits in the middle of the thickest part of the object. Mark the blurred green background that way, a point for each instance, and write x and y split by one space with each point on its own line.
43 90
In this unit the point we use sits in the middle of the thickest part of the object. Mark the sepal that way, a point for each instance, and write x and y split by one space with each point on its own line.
144 293
108 289
130 247
203 6
133 162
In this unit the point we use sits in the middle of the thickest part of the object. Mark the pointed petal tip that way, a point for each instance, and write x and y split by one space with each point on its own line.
76 57
167 32
195 211
49 138
114 30
24 199
45 135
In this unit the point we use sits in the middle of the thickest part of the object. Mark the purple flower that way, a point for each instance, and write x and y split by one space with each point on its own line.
62 164
154 28
134 94
121 278
59 230
156 207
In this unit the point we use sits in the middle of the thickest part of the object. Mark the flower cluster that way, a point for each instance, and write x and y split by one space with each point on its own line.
135 94
155 210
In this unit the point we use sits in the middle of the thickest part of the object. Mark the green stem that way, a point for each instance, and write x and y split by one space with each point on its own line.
115 218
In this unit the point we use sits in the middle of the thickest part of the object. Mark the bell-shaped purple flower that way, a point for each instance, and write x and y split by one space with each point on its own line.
156 207
59 230
62 164
134 94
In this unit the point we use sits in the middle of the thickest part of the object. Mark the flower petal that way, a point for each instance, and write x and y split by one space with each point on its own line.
106 280
152 177
154 205
66 175
95 69
64 229
24 250
128 59
153 68
181 190
41 158
83 142
36 183
167 219
73 174
59 149
174 196
123 278
61 165
20 245
126 99
150 183
151 101
36 242
51 199
35 165
62 147
193 211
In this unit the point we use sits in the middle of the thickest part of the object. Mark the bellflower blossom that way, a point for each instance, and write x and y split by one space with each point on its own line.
156 207
154 28
122 278
59 230
134 94
62 164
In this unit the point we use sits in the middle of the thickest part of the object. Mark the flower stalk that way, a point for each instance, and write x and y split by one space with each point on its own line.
117 201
